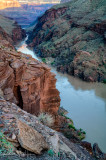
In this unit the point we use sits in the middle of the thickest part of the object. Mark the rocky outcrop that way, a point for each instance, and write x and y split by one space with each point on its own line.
9 3
98 153
58 144
27 82
75 37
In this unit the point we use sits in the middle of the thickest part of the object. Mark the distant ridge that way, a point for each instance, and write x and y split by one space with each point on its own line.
9 4
39 1
63 1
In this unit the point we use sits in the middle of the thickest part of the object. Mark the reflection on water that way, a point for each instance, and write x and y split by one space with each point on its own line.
85 102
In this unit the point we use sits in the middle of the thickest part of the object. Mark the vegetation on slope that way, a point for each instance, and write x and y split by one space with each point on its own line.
74 34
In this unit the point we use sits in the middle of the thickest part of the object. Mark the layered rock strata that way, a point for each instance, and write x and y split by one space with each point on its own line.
27 82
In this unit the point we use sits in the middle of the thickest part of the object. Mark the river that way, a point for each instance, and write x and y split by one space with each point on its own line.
85 102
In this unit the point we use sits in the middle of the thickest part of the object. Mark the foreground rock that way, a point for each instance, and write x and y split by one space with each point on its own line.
11 113
73 34
30 139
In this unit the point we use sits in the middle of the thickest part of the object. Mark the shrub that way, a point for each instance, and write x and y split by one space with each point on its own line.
104 81
79 133
52 63
5 146
51 152
80 129
71 126
46 119
43 60
84 132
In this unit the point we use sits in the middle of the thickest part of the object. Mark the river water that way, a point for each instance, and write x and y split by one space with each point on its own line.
85 102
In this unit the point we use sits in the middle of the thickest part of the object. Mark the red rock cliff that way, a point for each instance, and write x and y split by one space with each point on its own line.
27 82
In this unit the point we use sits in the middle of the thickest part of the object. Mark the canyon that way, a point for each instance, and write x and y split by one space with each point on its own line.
29 88
76 42
27 14
17 3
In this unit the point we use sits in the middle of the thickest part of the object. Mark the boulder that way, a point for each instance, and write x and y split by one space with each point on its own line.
30 139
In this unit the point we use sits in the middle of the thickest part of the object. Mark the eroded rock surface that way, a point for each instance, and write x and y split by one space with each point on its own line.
27 82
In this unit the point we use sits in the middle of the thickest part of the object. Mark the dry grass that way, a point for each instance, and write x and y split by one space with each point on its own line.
46 119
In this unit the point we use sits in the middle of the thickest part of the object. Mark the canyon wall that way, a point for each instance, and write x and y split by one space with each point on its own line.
75 37
9 4
12 31
25 81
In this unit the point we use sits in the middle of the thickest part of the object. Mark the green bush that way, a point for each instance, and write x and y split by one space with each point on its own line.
52 63
79 133
51 152
84 132
43 60
5 146
80 129
71 126
104 81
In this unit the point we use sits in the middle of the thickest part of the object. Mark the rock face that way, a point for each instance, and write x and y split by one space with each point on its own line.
8 4
30 139
27 82
18 33
12 31
75 37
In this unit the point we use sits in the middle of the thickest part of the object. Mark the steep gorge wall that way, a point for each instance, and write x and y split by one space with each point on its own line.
27 82
73 34
10 30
